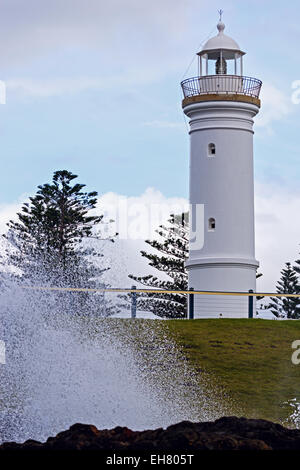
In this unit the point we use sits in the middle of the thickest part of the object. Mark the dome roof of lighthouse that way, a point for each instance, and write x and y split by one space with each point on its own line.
221 42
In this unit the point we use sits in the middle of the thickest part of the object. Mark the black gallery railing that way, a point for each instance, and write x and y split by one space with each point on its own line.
221 84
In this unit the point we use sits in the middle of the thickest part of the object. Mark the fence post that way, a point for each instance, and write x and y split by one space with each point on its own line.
250 304
191 304
133 303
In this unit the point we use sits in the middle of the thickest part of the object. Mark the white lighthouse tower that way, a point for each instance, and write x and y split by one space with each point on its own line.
221 104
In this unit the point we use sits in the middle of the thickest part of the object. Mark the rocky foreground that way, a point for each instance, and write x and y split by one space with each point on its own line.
229 433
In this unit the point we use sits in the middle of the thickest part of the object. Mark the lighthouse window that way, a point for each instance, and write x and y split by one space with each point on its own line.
211 224
211 150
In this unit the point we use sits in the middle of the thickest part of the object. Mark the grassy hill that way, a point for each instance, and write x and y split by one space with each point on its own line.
251 359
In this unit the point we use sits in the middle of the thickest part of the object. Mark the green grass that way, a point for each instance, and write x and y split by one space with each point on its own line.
250 359
244 364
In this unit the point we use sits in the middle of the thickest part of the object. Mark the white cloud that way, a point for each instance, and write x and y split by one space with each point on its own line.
121 30
143 213
52 87
277 231
43 88
276 105
8 212
165 125
138 217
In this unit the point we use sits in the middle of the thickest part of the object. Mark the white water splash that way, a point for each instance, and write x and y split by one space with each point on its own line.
62 369
294 417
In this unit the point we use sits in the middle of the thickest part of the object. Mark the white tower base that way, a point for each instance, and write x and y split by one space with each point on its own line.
224 276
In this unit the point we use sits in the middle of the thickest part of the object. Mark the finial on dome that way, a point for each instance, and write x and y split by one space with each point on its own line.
220 25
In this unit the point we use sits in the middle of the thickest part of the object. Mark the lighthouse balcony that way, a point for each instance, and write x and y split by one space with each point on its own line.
227 87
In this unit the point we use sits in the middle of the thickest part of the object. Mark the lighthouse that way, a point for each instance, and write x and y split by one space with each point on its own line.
221 103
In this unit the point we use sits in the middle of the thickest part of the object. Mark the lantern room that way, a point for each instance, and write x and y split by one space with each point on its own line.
220 55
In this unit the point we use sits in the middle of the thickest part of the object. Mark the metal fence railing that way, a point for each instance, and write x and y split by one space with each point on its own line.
221 84
246 303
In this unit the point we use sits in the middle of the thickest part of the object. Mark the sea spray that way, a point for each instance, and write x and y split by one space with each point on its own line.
61 369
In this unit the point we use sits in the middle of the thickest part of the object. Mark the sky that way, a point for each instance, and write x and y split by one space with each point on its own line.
94 87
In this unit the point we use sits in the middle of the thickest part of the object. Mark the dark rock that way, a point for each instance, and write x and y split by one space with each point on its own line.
228 433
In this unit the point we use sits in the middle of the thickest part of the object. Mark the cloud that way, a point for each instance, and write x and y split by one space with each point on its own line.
110 28
137 217
165 125
113 45
52 87
277 230
8 212
43 88
276 106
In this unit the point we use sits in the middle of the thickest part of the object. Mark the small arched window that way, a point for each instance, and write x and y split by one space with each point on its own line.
211 224
211 150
